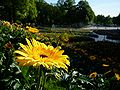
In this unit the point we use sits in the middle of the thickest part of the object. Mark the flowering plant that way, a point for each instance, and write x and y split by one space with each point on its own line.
41 56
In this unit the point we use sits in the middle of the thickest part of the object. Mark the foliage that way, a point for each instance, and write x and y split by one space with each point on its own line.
78 81
102 20
86 58
64 12
85 12
15 77
18 10
11 77
116 20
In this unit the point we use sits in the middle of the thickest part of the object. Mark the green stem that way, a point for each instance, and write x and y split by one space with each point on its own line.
38 82
41 79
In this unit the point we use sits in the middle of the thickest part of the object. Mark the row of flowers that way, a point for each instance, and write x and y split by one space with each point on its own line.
35 53
19 26
34 30
28 51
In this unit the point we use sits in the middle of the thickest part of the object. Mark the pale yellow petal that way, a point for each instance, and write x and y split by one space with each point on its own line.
21 53
60 52
29 44
20 57
24 47
34 42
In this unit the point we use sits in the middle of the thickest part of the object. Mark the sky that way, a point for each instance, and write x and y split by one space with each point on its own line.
101 7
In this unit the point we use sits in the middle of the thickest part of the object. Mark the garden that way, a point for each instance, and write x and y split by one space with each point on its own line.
36 58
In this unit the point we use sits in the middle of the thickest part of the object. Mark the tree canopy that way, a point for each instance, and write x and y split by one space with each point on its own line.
116 20
18 10
64 12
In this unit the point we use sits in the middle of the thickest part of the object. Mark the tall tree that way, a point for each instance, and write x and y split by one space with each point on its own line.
22 9
69 3
116 20
60 2
108 20
32 11
71 15
85 12
25 10
101 19
6 9
18 9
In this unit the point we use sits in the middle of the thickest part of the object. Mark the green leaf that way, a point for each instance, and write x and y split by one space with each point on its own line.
25 72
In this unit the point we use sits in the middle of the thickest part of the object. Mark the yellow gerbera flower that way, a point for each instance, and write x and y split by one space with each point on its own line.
93 75
32 30
17 25
117 76
105 65
37 53
6 23
92 58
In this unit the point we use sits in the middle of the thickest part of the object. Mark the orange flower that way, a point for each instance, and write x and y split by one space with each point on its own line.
93 75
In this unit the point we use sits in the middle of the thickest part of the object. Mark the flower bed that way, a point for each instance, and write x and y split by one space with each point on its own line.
30 59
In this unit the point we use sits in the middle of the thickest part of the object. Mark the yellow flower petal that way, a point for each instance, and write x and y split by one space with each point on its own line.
93 75
117 76
105 65
29 44
21 53
37 54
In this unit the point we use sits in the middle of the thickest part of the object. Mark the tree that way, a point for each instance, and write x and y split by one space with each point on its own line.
49 14
108 20
116 20
85 13
60 3
32 13
18 10
102 20
25 10
71 15
69 3
21 10
40 1
7 10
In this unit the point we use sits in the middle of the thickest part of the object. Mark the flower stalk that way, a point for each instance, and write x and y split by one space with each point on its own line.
41 78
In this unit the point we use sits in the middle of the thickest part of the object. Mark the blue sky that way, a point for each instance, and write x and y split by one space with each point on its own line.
102 7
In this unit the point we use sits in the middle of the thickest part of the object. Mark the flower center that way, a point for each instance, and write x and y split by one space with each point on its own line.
43 56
